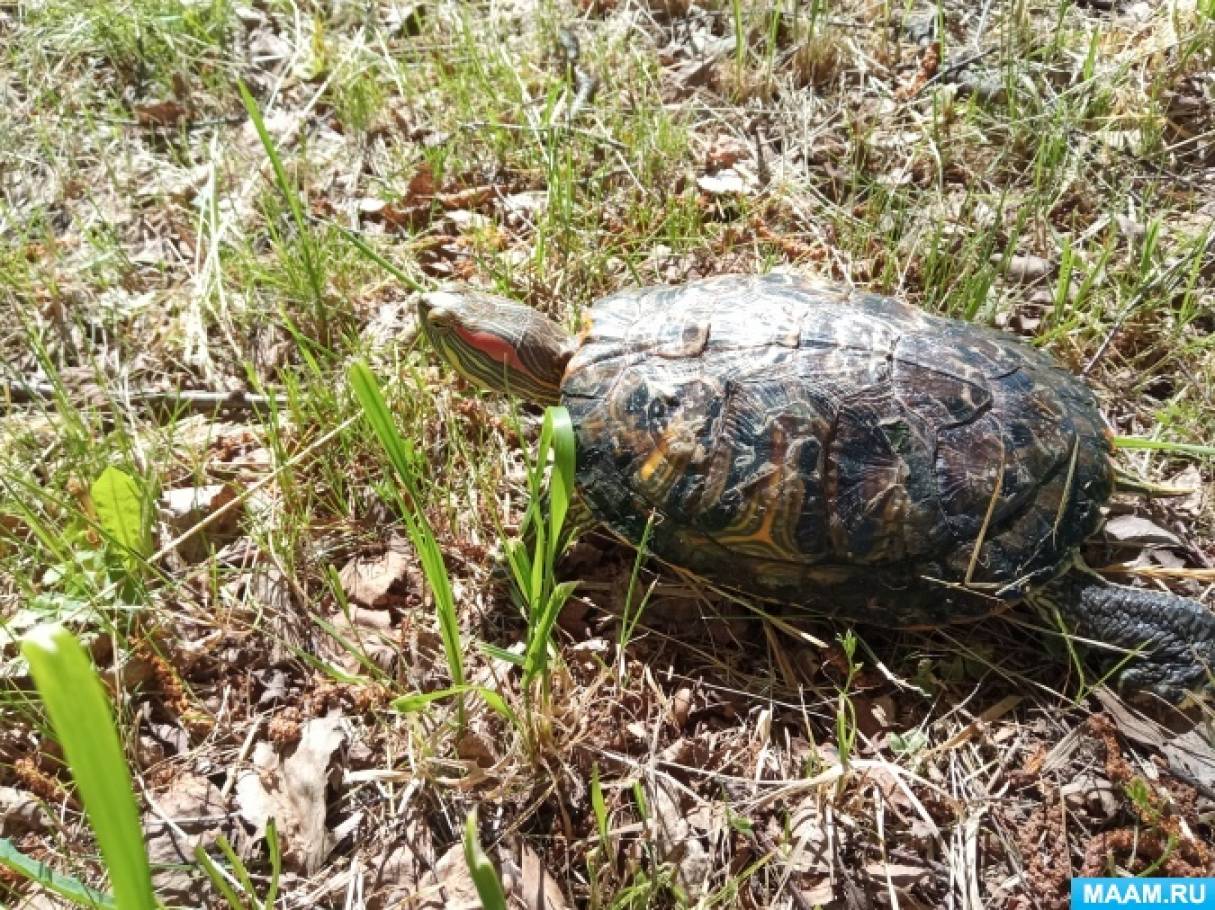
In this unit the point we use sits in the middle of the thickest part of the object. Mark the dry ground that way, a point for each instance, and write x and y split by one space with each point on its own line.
1044 166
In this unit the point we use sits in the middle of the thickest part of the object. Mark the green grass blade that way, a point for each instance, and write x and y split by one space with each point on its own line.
401 457
420 701
599 806
561 483
375 409
218 882
80 715
294 203
274 851
535 658
64 885
368 252
1163 445
484 875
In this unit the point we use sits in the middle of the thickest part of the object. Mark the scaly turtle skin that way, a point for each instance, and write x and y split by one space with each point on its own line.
841 450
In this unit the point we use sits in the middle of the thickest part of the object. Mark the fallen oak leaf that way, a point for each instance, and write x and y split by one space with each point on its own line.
292 791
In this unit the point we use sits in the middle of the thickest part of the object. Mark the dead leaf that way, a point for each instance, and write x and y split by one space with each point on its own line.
723 183
1135 530
191 813
1026 269
537 887
405 876
517 208
478 748
809 837
689 75
1188 753
900 875
455 885
183 508
1092 794
21 812
725 152
292 791
681 706
1195 501
381 580
160 113
405 20
819 892
672 832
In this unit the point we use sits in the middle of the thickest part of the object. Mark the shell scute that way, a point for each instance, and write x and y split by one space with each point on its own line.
819 444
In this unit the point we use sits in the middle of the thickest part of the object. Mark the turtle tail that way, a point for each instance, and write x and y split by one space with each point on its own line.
1173 638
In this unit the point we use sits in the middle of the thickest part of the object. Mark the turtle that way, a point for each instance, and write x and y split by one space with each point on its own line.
817 445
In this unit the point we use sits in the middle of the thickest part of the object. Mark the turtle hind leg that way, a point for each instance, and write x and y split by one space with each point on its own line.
1173 637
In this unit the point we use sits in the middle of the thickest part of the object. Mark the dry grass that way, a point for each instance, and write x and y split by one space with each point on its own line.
1043 166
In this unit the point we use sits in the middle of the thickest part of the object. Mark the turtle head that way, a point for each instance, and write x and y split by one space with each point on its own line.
497 343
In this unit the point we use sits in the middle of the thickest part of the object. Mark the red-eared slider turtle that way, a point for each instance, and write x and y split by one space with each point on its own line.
836 449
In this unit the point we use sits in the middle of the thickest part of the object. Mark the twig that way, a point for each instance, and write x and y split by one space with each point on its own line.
193 400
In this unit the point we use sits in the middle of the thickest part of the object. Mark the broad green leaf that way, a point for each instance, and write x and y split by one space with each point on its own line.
119 505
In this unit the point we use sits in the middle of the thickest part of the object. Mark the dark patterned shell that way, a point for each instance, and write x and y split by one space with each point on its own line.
829 447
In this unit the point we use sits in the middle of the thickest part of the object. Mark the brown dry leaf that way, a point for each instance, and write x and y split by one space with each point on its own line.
1135 530
379 581
1188 753
184 508
819 892
455 885
687 76
1194 502
725 152
292 791
21 812
677 844
372 631
422 185
900 875
808 834
522 208
1093 795
537 887
1026 269
191 813
160 113
681 707
405 877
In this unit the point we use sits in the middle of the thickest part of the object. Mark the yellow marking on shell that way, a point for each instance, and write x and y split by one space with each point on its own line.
663 466
650 465
775 515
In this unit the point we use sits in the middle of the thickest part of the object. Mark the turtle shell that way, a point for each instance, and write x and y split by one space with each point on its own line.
824 446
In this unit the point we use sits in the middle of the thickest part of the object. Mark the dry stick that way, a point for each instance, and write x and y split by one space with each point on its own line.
193 399
991 508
